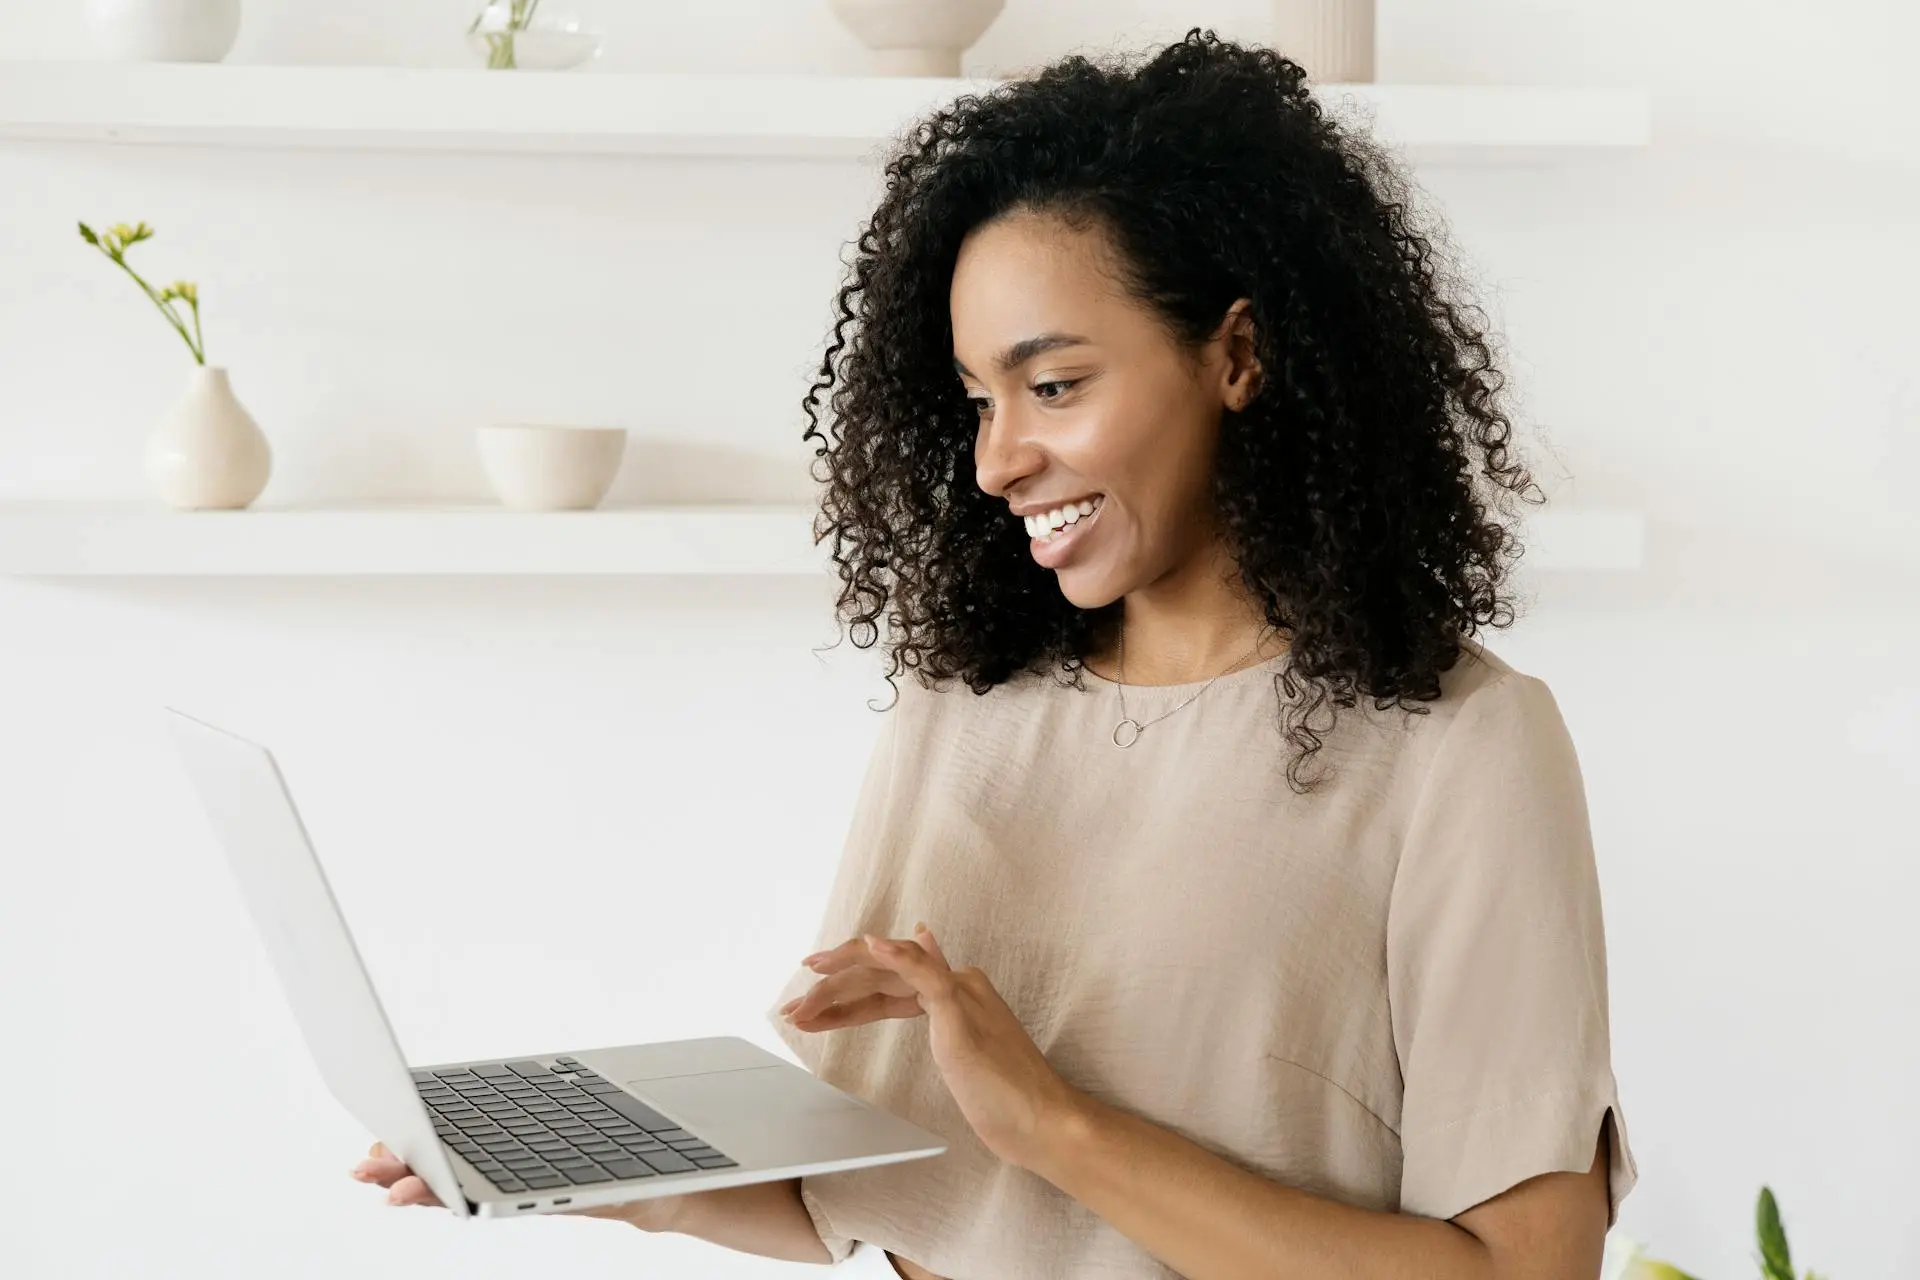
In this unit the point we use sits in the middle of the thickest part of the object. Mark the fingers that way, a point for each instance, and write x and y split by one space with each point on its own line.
844 988
384 1169
410 1190
848 954
382 1172
925 937
926 974
856 950
866 1009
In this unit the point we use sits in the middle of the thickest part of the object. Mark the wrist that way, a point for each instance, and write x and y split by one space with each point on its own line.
1065 1127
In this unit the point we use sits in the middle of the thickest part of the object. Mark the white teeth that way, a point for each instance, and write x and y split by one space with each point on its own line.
1051 522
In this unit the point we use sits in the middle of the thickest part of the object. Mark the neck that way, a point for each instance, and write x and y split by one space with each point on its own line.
1191 625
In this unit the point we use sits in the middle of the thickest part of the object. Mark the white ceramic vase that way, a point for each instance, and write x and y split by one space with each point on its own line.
543 468
917 37
1332 39
208 454
164 30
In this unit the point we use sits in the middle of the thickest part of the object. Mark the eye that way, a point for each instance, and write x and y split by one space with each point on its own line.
982 403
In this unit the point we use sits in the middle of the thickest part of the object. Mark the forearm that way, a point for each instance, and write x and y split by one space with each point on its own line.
1210 1219
766 1218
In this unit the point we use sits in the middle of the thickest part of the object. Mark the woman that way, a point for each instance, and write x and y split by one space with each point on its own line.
1265 937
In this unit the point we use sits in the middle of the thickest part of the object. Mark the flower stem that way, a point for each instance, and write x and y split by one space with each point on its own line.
199 343
173 319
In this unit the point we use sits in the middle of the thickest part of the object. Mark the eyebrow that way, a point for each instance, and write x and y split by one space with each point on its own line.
1026 349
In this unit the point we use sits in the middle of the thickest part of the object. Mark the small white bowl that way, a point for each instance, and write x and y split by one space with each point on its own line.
543 468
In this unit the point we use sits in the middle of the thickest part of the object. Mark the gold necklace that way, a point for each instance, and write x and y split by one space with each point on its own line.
1128 730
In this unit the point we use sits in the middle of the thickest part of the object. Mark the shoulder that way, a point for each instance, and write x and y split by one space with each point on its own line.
1488 701
1488 710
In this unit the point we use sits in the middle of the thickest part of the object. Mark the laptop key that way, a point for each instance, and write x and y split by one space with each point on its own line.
713 1162
494 1071
666 1162
541 1181
627 1168
527 1067
591 1173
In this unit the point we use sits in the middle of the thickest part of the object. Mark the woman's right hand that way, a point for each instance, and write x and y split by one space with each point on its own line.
405 1187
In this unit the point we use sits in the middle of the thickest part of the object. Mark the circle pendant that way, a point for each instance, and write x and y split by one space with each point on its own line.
1127 732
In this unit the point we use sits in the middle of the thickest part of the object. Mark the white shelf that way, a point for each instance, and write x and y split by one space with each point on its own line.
400 108
61 539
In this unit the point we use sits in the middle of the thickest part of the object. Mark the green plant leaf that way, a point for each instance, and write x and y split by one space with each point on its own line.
1776 1261
86 233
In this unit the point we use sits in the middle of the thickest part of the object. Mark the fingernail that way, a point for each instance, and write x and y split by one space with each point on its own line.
788 1007
810 959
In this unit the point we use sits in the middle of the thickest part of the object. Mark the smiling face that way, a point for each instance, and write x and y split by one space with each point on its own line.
1096 428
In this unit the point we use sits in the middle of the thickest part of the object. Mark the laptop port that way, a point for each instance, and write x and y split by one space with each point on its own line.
564 1200
528 1205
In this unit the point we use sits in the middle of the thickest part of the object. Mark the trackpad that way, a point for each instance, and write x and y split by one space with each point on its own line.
725 1098
772 1116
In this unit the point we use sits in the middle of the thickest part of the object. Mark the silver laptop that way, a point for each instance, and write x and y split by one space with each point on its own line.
536 1132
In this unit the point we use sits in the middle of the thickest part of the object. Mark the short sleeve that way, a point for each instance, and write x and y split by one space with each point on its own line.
860 862
1496 959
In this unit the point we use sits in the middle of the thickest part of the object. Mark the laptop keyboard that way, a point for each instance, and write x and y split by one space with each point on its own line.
529 1125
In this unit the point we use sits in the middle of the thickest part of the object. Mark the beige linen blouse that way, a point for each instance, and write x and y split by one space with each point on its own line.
1391 992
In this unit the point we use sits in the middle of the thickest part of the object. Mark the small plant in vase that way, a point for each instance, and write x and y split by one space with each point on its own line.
505 33
207 452
505 21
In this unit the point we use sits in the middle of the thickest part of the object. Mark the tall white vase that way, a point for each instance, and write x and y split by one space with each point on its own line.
164 30
917 37
1332 39
208 453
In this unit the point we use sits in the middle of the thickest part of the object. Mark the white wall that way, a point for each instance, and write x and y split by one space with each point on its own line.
1718 331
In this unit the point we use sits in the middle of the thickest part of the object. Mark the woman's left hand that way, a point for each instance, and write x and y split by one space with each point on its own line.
1002 1082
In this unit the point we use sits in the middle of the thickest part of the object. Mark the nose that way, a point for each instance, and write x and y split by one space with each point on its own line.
1004 454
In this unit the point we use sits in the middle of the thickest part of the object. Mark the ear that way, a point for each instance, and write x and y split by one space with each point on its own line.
1240 373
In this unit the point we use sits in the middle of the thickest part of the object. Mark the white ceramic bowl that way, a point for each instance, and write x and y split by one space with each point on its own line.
543 468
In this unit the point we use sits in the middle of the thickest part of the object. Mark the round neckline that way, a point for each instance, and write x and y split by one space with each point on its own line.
1264 666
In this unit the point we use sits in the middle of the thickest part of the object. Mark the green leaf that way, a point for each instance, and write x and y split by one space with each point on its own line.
1775 1259
86 233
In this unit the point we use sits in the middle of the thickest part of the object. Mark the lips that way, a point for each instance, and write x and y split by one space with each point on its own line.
1063 537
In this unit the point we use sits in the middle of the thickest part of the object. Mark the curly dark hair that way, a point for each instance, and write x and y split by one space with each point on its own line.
1365 490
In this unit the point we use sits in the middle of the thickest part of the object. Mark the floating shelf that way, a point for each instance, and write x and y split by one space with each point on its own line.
402 108
62 539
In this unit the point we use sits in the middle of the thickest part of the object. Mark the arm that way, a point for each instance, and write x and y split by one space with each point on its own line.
766 1218
1209 1219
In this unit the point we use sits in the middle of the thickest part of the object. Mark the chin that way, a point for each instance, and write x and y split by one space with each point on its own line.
1088 589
